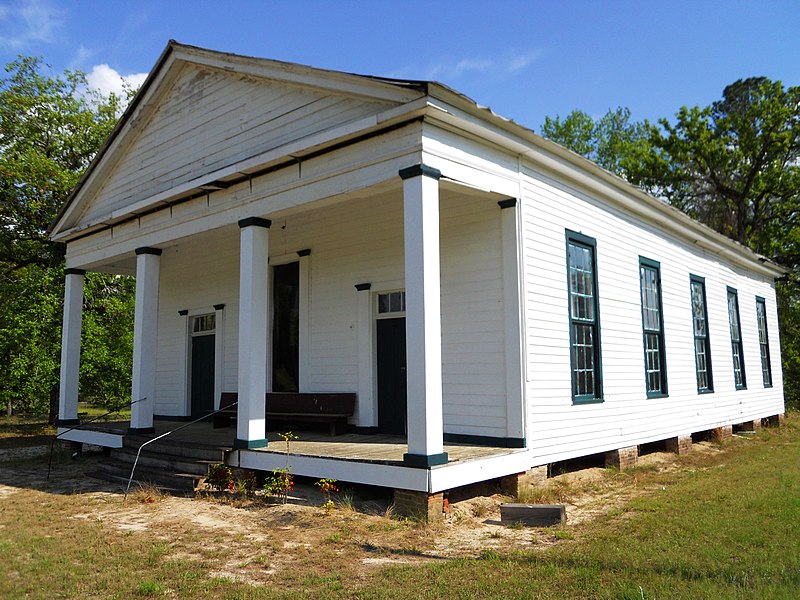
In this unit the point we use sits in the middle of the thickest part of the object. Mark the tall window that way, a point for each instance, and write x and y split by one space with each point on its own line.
584 318
702 343
763 341
736 340
655 359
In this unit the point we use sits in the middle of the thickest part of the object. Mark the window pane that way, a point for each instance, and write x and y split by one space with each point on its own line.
204 323
702 346
654 359
585 352
736 340
763 342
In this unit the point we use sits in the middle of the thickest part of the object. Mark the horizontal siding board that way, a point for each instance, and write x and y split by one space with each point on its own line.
557 428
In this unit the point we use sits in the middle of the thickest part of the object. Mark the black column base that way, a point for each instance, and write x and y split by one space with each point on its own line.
138 430
424 461
67 422
249 444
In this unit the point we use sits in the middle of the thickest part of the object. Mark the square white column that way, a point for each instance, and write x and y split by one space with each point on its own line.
70 348
513 317
145 332
366 409
251 426
423 316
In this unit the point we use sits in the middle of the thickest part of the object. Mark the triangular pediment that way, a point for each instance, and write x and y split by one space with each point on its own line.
202 111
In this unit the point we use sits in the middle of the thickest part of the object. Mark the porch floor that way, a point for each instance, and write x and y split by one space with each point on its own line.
378 448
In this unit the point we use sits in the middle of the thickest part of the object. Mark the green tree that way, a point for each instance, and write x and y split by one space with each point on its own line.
50 128
613 141
733 165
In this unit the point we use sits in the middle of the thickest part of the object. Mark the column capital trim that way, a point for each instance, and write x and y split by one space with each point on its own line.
509 203
304 252
219 306
363 287
255 222
71 271
183 312
148 250
420 170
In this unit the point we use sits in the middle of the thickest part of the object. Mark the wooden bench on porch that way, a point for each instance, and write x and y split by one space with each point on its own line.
296 407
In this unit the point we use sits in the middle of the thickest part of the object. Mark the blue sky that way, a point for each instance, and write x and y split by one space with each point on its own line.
524 59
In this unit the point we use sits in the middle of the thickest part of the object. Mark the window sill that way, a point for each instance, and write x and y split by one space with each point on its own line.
587 401
705 391
656 396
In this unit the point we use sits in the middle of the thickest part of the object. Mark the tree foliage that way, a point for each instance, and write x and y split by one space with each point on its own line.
613 141
50 128
733 165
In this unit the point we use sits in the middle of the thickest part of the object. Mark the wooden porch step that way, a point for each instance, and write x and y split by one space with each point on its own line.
155 460
117 472
177 448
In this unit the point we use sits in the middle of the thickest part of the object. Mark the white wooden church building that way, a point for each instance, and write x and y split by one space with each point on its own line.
299 229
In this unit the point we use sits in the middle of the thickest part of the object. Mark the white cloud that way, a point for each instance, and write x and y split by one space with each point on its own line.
29 22
446 70
107 80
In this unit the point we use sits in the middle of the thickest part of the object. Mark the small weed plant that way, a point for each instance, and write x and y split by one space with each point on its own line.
279 484
220 478
327 487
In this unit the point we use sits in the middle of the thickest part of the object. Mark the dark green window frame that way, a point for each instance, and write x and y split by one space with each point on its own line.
655 354
586 372
763 341
702 337
737 348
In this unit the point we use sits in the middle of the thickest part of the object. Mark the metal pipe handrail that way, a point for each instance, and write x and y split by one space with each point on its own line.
78 426
165 434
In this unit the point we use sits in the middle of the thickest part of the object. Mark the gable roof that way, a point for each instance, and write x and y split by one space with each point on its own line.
177 57
413 99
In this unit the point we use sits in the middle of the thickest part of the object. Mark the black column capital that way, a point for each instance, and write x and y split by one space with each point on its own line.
254 222
148 250
510 203
304 252
74 272
420 169
363 287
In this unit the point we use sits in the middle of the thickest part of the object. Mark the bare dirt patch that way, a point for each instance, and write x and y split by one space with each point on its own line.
256 541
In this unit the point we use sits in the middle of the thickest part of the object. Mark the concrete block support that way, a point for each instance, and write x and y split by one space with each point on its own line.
722 434
515 484
753 425
419 505
776 420
622 458
681 444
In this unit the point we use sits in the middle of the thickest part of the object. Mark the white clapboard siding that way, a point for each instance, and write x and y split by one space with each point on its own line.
209 119
354 242
557 428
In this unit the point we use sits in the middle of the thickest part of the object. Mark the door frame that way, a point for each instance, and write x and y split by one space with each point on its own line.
185 349
192 337
366 416
304 325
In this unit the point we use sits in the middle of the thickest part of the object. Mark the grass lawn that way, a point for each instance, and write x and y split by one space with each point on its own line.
724 524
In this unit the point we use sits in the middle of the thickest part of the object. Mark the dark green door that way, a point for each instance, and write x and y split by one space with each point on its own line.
202 374
392 376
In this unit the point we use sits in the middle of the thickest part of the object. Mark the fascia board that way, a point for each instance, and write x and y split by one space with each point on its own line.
344 83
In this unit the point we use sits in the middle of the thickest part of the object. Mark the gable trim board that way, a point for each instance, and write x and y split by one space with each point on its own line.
412 173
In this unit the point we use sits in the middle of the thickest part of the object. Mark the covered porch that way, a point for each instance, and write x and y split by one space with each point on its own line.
357 458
